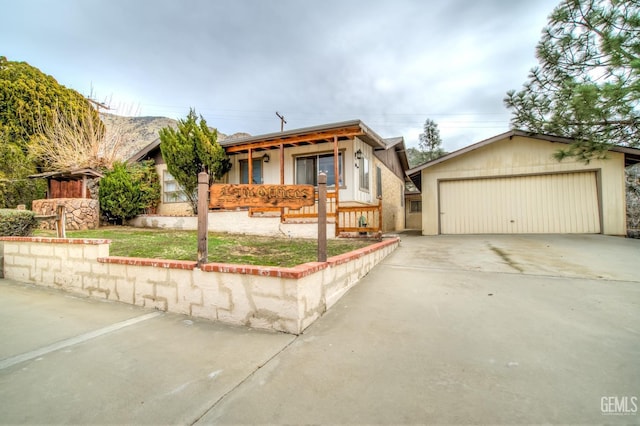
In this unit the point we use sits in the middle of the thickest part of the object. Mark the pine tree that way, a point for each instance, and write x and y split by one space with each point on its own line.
429 145
191 149
587 84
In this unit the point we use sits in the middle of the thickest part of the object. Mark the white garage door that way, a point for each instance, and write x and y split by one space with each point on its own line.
552 203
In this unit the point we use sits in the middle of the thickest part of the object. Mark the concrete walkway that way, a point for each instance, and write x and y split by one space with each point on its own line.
469 329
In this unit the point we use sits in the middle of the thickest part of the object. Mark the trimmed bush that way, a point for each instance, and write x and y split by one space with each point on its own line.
145 175
129 190
16 223
119 195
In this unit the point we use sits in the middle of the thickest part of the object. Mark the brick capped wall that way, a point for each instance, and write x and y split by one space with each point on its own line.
282 299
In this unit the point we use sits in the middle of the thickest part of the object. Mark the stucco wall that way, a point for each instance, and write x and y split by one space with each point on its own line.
282 299
392 199
522 156
412 220
236 222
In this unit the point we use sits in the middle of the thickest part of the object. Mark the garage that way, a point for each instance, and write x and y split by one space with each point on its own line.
513 183
560 203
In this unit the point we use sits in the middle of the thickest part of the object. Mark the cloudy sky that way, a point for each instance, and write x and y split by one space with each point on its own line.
390 63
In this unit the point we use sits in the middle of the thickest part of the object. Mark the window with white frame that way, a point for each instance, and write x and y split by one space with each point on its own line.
378 182
172 192
415 206
256 172
363 166
309 166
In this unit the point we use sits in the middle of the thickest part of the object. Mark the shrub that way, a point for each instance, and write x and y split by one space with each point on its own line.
128 190
146 176
119 195
16 223
21 191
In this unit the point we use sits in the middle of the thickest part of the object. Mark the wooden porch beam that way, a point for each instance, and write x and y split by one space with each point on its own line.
309 138
281 164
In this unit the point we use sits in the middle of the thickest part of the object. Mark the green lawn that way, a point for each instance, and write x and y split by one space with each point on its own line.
225 248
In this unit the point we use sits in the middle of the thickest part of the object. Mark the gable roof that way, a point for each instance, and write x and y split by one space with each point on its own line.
397 144
144 151
631 155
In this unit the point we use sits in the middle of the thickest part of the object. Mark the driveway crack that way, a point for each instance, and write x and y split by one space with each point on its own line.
241 382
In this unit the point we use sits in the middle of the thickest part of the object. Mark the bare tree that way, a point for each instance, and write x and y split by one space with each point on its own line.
74 140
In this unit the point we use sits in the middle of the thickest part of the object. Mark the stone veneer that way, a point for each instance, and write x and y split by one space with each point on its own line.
81 213
282 299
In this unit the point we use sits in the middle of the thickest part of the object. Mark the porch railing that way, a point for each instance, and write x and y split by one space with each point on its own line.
309 212
347 219
359 219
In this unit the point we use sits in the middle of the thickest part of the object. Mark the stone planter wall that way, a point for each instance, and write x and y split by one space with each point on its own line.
81 213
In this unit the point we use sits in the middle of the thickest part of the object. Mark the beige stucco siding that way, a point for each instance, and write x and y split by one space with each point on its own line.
413 220
392 198
521 156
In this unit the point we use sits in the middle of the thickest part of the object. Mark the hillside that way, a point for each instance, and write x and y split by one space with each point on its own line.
138 132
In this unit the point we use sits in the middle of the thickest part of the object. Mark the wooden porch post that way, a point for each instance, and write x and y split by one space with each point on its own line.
250 171
203 215
281 151
336 174
281 164
322 217
84 186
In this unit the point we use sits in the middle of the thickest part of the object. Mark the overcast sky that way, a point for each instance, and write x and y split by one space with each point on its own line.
390 63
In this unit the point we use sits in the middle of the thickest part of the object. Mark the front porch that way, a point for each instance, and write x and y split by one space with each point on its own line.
349 219
342 221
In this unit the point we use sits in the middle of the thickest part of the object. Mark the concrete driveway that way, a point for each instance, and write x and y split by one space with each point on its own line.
468 329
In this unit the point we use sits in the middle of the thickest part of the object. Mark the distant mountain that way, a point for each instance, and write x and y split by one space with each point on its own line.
138 132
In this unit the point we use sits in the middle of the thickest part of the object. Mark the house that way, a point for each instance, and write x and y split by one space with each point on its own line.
511 184
370 171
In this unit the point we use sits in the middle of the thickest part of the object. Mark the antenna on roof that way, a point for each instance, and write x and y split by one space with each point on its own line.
98 105
95 103
282 121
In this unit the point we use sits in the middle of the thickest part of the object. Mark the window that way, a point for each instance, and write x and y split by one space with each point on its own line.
363 166
172 191
257 171
401 196
415 206
308 168
378 182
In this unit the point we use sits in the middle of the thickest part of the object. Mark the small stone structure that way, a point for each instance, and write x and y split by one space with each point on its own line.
81 213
